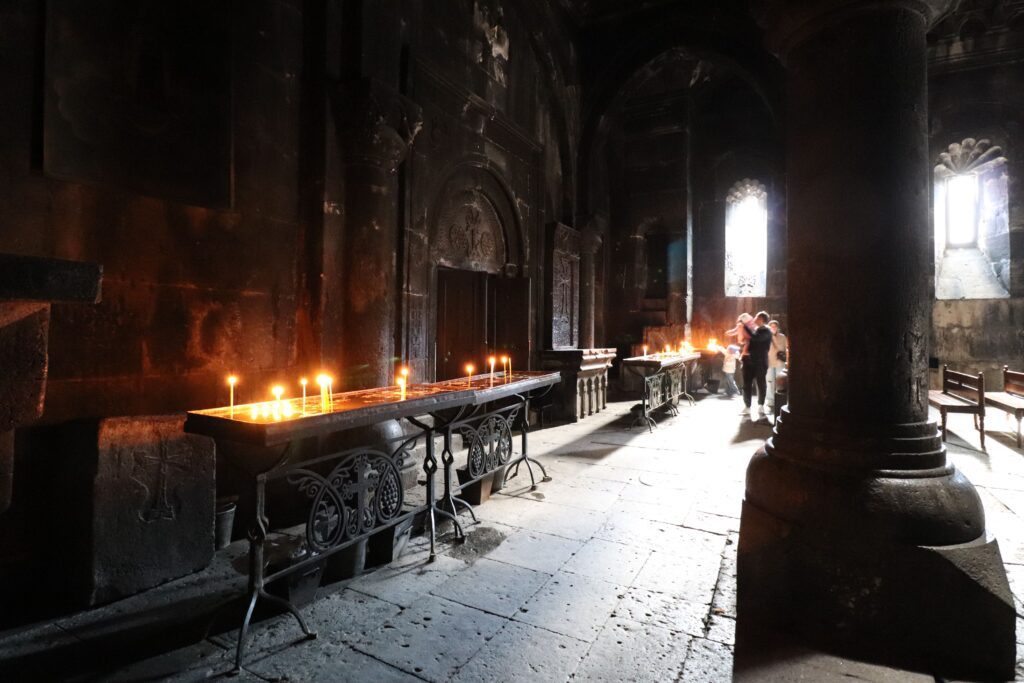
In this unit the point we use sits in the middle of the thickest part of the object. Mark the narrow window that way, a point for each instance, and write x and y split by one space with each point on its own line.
972 236
746 239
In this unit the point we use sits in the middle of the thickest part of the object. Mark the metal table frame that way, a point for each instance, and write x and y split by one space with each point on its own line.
357 493
665 381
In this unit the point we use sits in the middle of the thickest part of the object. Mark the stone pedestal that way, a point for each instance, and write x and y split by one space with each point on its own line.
857 535
584 387
136 506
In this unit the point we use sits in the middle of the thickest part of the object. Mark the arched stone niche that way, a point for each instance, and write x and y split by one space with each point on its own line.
474 225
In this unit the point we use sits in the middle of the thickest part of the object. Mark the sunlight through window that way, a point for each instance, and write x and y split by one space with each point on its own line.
962 210
746 239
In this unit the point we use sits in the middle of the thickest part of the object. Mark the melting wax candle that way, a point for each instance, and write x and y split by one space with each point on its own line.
324 382
469 375
232 381
401 387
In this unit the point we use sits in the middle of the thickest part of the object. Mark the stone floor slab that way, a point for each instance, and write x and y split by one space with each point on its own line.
535 550
573 605
662 609
493 587
432 639
609 561
709 662
629 651
521 652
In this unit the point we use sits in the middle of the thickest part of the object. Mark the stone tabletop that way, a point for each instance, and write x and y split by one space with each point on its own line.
359 408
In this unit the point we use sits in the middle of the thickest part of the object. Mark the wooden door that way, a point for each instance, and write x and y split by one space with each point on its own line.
462 321
511 320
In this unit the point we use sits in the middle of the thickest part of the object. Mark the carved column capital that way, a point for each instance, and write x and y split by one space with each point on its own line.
788 23
376 124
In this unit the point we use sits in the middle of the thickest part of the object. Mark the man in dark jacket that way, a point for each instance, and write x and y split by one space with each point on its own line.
755 365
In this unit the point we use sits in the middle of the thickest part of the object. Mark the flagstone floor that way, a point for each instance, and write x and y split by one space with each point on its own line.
621 568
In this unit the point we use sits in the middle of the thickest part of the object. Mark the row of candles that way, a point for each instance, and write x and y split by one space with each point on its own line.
685 347
281 408
506 369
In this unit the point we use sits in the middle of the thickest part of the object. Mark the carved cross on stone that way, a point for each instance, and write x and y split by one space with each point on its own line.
154 468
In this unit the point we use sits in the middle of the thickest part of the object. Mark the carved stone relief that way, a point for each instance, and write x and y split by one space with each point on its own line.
564 260
469 233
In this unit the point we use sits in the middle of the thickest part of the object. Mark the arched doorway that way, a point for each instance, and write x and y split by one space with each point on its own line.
481 304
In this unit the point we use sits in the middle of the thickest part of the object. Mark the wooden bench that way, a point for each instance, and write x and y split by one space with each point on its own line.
961 393
1011 399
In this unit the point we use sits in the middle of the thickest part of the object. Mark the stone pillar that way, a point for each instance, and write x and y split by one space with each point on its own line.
376 125
589 245
857 535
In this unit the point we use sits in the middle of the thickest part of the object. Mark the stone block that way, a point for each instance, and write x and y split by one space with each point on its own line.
23 357
140 496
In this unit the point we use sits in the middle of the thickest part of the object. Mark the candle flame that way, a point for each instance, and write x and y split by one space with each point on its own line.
303 381
404 372
232 380
277 391
469 368
323 380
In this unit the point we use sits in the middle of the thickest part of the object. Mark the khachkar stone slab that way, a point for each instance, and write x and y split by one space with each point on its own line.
142 493
563 282
584 387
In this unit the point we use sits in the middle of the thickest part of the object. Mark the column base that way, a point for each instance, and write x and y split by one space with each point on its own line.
943 610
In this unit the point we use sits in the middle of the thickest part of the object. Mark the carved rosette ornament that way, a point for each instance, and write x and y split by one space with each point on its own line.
969 156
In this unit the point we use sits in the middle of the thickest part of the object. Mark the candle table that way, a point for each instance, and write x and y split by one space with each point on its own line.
664 376
357 493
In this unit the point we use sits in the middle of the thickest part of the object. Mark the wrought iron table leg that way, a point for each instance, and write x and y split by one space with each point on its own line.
686 381
453 501
430 467
257 538
525 458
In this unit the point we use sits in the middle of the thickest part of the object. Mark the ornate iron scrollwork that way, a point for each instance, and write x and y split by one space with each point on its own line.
490 443
363 491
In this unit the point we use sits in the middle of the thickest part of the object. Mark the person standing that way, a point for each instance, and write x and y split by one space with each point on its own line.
776 359
755 364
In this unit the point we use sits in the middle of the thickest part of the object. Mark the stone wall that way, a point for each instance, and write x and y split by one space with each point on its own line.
976 90
202 155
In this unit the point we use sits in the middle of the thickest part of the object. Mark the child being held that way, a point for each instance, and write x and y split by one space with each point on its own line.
732 352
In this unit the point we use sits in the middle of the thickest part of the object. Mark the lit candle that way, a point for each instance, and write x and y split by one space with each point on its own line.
401 387
645 349
469 374
303 382
509 376
232 380
323 381
255 411
277 391
668 349
491 361
405 373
